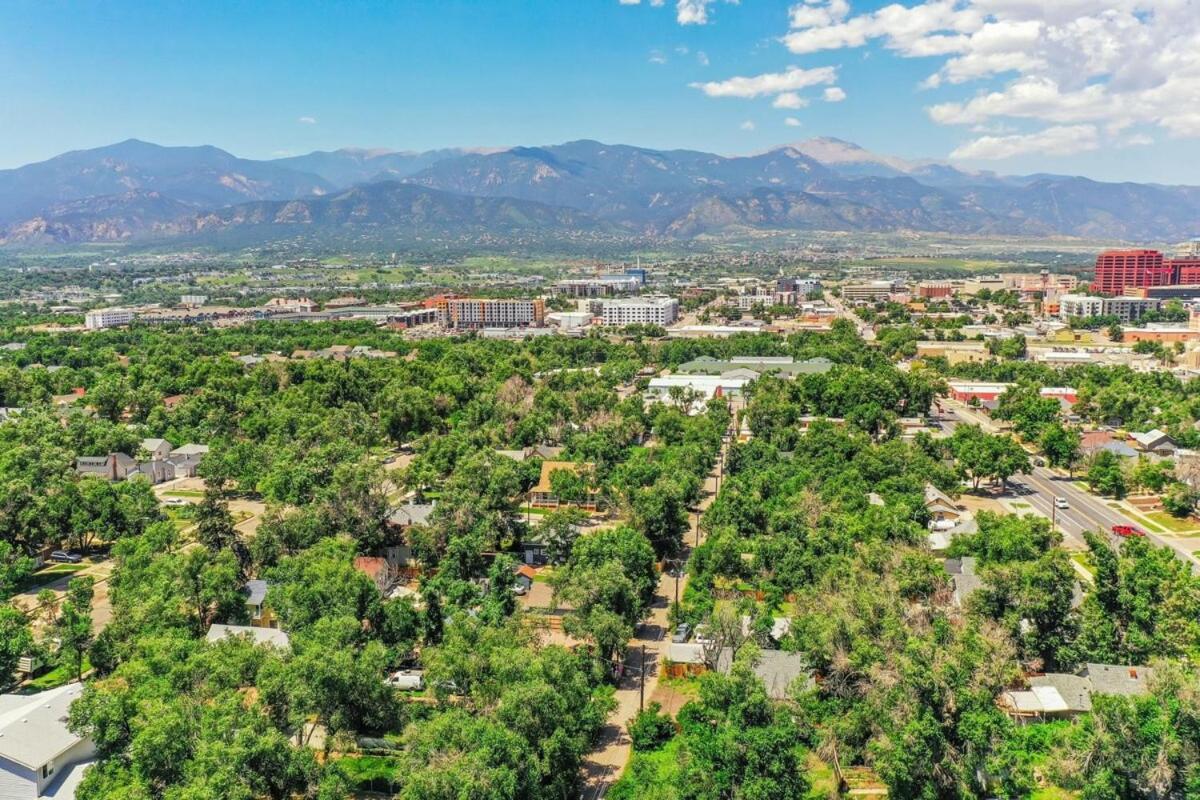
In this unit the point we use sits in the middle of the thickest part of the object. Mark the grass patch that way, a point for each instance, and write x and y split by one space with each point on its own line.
1053 793
377 773
47 575
652 775
183 493
62 674
1084 560
1019 504
1171 523
823 778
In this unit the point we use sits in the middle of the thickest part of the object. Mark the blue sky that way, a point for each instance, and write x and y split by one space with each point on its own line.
263 79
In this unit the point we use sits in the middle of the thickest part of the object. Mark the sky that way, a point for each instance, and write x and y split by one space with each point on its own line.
1110 90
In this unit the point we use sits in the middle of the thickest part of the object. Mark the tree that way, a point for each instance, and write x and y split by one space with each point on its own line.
1180 500
214 524
1115 332
558 530
1061 445
75 620
16 641
1105 474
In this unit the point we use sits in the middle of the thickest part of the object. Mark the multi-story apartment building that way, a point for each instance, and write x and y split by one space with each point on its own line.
650 310
107 318
1127 309
469 313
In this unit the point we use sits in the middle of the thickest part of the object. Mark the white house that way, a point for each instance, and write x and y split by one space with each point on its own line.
39 757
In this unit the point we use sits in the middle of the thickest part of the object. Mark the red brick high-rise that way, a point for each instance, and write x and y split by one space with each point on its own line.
1116 269
1187 269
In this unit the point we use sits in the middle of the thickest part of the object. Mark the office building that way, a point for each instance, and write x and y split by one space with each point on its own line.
603 285
1116 269
107 318
472 314
869 292
640 311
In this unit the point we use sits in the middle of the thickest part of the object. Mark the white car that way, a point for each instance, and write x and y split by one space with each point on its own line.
1061 502
175 501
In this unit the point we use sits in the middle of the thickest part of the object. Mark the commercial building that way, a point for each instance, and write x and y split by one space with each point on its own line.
802 287
1127 309
473 314
641 310
629 282
107 318
966 391
1116 269
869 292
933 289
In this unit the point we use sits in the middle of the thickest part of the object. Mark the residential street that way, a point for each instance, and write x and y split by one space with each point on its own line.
1086 512
603 766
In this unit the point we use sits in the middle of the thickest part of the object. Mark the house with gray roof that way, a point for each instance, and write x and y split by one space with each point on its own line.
186 459
112 467
752 367
39 756
269 637
778 670
963 576
1155 442
1059 694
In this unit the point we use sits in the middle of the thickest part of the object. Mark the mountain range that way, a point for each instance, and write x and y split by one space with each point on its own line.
136 191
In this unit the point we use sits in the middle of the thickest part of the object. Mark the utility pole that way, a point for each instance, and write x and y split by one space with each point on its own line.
642 691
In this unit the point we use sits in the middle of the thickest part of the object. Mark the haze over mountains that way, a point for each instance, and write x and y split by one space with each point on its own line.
136 191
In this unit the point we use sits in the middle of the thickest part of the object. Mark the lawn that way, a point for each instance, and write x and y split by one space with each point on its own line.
47 575
650 776
1085 561
1173 524
183 493
62 674
375 773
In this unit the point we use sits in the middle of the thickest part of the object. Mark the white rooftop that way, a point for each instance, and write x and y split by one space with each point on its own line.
33 728
269 636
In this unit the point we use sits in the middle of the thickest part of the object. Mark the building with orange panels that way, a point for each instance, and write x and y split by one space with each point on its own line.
471 314
1116 269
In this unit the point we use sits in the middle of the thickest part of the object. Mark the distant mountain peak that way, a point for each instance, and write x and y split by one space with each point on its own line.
830 150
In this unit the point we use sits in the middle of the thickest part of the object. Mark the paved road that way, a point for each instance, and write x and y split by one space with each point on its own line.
1086 512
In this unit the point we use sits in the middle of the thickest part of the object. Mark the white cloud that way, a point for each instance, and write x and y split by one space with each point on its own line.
792 122
307 120
1059 140
687 12
768 83
747 125
1067 64
657 57
789 100
681 49
834 94
702 58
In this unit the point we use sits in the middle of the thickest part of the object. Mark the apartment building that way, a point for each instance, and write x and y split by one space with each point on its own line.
107 318
1127 309
473 314
650 310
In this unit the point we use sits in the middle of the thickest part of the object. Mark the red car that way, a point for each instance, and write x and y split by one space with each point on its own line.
1127 530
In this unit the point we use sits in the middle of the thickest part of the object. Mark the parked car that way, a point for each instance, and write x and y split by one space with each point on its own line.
407 679
65 557
682 632
174 501
1127 530
1061 502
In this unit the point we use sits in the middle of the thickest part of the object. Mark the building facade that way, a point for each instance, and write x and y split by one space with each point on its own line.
640 311
107 318
1116 269
1127 309
472 314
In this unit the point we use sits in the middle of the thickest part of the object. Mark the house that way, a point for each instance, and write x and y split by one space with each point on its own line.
155 471
1155 442
542 451
777 670
157 449
963 576
1093 442
187 458
692 392
1057 694
524 577
943 532
112 467
267 637
256 605
405 516
378 570
542 495
685 660
39 756
939 505
172 401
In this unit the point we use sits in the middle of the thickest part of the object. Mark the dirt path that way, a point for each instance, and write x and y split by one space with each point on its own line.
604 765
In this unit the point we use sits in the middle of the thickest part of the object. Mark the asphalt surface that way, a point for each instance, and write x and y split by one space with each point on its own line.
1085 511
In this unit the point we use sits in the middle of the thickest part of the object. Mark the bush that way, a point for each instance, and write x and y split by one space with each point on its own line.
650 729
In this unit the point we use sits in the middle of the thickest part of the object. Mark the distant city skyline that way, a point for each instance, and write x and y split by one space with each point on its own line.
1013 86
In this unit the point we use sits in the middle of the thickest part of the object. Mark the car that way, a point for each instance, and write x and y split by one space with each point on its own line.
1039 462
1127 531
175 501
407 679
65 557
1061 502
682 632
